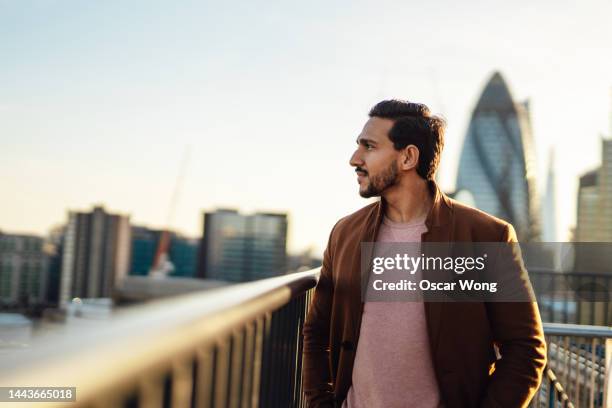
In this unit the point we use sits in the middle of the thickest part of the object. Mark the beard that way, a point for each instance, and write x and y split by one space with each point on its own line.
380 182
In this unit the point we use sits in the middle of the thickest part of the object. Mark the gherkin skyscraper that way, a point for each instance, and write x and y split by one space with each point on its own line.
497 163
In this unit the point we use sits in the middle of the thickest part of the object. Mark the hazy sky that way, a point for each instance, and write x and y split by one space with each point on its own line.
100 99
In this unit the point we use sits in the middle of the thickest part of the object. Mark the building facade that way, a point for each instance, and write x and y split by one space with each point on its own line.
144 245
497 163
95 254
182 252
23 271
54 244
549 205
240 248
587 208
594 206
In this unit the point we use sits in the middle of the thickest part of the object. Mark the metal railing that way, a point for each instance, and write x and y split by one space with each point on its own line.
578 370
241 346
233 347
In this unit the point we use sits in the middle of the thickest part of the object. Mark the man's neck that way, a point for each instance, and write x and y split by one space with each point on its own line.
409 202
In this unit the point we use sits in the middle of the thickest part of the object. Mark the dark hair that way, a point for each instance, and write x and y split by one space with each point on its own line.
414 125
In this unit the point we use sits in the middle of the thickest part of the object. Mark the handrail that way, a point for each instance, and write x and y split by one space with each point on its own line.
577 330
146 337
140 346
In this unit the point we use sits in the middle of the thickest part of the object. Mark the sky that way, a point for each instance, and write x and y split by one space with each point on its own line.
101 100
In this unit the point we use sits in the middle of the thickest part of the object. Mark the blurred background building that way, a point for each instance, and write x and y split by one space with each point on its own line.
594 209
54 247
497 163
182 252
587 208
240 248
23 270
593 232
549 203
95 255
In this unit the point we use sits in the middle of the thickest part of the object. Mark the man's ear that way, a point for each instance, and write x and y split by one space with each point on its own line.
409 157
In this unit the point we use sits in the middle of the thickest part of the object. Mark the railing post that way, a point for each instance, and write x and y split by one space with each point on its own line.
261 328
249 361
607 398
593 373
182 386
204 374
552 393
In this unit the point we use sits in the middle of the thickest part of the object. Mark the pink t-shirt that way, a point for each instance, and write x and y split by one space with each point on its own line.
393 367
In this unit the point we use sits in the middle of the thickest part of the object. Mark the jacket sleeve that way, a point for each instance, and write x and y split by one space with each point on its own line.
518 333
316 375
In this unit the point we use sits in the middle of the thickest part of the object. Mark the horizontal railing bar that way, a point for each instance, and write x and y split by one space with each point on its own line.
577 330
572 274
113 354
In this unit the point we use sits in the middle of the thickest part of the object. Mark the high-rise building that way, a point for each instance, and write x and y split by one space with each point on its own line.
593 233
95 254
594 209
497 164
144 245
54 244
239 248
23 270
605 192
549 207
587 208
182 252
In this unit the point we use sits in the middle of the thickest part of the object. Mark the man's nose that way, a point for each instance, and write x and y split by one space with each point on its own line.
355 160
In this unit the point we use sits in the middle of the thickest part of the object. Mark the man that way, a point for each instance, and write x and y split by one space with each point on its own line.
413 354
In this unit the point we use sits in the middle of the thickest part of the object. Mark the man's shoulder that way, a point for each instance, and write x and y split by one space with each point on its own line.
485 225
354 221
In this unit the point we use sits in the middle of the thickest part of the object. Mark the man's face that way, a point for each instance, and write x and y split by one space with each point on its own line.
375 159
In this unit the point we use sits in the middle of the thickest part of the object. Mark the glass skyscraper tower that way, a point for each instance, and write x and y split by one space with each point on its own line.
497 164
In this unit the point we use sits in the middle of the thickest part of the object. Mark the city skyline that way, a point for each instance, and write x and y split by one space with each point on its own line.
100 101
181 222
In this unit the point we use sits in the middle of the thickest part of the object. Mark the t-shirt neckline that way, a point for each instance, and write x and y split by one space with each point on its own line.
401 225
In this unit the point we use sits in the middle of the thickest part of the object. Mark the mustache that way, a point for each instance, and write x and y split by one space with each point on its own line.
360 170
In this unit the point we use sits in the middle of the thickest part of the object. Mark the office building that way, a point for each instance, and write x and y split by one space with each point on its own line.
95 254
549 207
497 163
23 270
239 248
182 252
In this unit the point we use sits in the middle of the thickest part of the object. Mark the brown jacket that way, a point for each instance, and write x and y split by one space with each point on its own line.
461 334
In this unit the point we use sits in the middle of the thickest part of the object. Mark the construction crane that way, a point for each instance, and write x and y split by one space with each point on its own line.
162 264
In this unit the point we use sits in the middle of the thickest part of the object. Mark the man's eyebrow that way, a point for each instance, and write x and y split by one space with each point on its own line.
363 141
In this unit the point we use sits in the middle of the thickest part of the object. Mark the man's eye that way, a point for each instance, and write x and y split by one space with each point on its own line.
368 146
